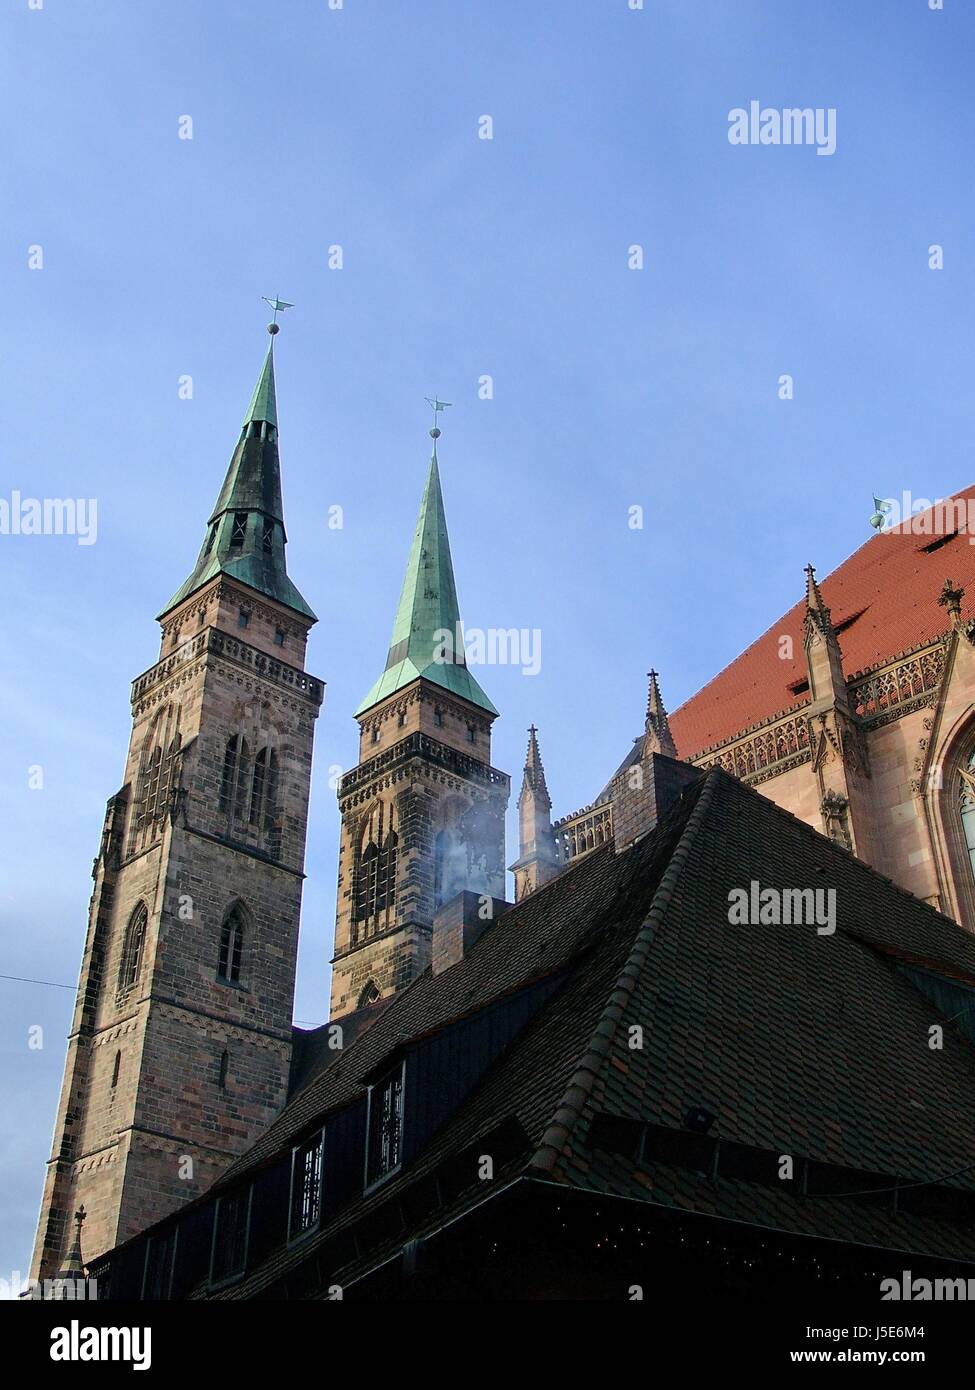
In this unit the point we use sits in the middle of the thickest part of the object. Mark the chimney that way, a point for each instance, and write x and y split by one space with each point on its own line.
459 923
644 791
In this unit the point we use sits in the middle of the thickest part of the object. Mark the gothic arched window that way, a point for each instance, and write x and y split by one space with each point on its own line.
159 773
966 803
132 946
231 946
375 869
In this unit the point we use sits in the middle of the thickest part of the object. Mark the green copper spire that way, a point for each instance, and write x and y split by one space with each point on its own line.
428 610
245 534
264 405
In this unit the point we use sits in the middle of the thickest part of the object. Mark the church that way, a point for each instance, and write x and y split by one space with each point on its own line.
610 1085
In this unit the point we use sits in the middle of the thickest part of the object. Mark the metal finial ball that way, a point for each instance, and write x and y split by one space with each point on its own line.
434 434
274 328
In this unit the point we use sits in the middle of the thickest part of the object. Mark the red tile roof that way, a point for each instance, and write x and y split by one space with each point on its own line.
888 588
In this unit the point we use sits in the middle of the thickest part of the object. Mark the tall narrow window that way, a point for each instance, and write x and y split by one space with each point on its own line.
231 947
271 791
229 1253
233 780
116 1069
257 787
267 537
368 872
966 804
224 1068
306 1186
239 534
169 778
385 1130
150 804
243 772
229 776
386 878
135 936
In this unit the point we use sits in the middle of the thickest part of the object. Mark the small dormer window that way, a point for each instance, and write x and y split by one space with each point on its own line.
267 539
306 1186
211 538
385 1128
239 533
228 1255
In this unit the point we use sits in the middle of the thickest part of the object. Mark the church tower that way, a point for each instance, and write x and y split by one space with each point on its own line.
423 812
180 1047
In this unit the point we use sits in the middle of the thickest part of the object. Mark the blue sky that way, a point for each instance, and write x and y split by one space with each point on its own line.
463 257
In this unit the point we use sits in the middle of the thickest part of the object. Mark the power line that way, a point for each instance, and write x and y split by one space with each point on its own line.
26 980
56 984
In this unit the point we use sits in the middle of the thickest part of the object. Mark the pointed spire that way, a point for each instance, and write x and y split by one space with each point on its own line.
816 609
533 782
824 660
428 636
264 403
245 534
73 1265
657 736
537 861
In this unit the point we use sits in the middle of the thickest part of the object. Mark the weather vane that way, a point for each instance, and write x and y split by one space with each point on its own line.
437 405
277 305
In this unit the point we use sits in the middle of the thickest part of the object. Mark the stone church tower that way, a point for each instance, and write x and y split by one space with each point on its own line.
423 812
180 1048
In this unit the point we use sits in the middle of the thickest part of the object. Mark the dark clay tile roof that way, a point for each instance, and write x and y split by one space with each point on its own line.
531 941
795 1042
889 587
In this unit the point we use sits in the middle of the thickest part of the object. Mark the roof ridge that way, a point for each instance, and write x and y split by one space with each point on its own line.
581 1082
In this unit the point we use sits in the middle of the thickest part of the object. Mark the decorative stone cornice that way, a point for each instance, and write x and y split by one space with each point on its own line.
422 693
440 756
213 642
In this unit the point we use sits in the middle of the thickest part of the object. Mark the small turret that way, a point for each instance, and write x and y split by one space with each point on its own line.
536 862
657 737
